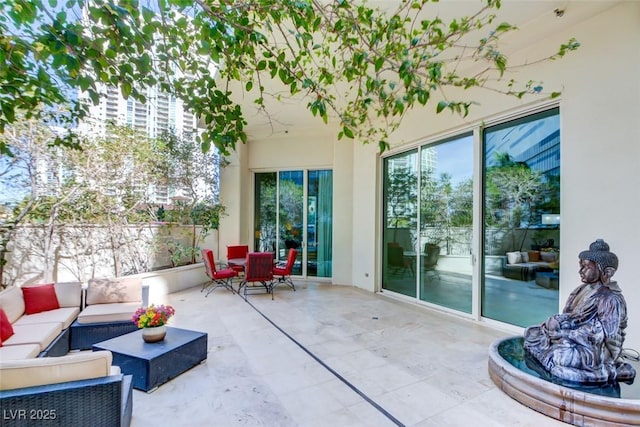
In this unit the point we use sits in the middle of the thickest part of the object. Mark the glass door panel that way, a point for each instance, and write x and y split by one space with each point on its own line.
320 223
291 215
446 223
400 220
522 219
265 212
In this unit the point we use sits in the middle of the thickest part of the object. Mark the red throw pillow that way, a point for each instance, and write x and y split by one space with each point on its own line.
39 298
6 330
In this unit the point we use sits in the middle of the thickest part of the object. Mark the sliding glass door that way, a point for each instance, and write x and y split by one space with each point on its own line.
430 233
290 216
522 219
400 223
265 212
446 223
320 223
294 209
428 223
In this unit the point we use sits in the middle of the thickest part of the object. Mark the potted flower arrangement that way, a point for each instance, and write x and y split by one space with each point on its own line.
152 320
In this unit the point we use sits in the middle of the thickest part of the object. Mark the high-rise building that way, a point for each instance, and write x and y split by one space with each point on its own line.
162 113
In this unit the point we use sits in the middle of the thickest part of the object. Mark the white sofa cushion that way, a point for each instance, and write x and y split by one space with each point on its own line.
53 370
42 334
118 289
64 316
23 351
12 302
115 312
69 294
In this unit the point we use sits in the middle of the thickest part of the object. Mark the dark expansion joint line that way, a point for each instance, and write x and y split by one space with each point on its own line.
328 368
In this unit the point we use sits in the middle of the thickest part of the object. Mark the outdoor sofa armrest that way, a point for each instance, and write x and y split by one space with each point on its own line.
105 401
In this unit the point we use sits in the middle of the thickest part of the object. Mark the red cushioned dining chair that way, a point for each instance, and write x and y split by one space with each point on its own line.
237 252
259 269
283 273
218 277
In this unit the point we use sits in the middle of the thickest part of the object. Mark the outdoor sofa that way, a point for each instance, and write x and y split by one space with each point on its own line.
108 307
81 389
524 265
60 389
38 317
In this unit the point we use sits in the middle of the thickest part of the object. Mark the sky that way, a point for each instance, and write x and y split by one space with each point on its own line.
455 158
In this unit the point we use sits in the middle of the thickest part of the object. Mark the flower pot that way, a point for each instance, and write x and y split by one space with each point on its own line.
155 334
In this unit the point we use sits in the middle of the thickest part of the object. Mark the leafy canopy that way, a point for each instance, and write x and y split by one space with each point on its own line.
353 63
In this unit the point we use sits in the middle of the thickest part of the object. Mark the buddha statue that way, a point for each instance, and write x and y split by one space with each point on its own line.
583 344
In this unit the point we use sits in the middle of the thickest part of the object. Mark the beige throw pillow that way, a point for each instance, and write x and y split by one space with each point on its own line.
119 289
69 293
514 257
12 302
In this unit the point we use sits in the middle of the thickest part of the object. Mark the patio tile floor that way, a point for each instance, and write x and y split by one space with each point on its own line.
422 367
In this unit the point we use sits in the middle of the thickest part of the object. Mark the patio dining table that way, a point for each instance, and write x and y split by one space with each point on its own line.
239 262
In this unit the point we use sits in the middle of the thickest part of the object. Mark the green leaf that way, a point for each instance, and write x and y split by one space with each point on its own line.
423 97
284 76
248 86
441 106
8 111
125 89
205 145
378 63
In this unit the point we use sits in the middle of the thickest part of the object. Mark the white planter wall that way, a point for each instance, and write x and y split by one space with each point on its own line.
83 252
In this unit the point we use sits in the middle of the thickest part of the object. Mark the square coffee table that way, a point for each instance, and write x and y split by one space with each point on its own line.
153 364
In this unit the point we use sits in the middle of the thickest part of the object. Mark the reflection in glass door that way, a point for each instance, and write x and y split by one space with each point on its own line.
446 223
428 223
400 220
265 212
522 219
286 216
290 216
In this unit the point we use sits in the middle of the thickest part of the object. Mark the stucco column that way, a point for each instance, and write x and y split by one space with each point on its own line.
233 179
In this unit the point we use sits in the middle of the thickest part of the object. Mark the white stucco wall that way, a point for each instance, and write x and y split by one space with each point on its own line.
365 216
235 190
343 234
600 125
